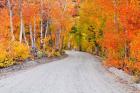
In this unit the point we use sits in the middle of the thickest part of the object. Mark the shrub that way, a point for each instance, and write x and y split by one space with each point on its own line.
5 59
62 51
40 54
50 52
10 52
135 79
113 63
57 53
136 70
20 51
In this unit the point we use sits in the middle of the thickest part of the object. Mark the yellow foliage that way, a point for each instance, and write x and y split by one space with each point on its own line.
57 53
51 52
20 51
5 58
11 52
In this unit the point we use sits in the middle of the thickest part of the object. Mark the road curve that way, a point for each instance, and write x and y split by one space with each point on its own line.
78 73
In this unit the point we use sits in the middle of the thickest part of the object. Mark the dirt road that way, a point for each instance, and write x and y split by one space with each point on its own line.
78 73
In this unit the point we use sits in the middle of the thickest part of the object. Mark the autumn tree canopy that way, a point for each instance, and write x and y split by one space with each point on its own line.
107 28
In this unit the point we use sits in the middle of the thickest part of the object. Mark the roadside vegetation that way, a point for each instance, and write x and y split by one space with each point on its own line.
110 29
31 29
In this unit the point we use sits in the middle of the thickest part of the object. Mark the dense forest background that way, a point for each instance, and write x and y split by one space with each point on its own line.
107 28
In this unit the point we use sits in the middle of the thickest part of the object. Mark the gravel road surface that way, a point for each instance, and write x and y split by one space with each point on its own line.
78 73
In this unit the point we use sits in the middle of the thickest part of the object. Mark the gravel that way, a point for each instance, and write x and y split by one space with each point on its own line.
4 72
78 73
121 74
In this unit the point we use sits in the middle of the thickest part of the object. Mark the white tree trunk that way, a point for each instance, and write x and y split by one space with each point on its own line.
24 35
34 37
11 20
46 30
58 39
41 25
22 29
21 20
31 36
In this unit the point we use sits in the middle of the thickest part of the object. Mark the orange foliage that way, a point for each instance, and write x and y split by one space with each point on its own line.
135 48
128 37
112 63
